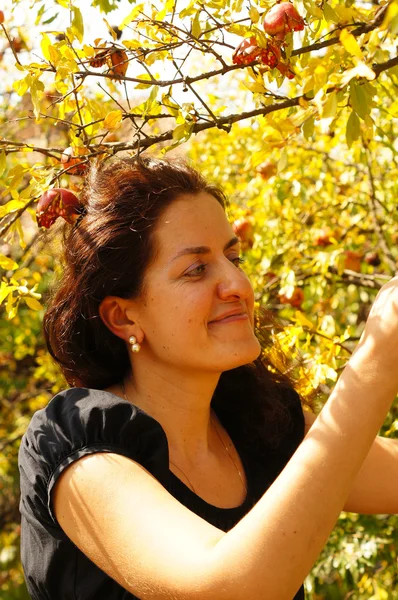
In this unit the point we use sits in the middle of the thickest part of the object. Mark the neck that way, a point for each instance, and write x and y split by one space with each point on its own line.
180 402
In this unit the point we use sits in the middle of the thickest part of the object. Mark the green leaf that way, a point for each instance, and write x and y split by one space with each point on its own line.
329 14
330 106
353 129
283 160
182 132
196 28
308 128
77 23
359 100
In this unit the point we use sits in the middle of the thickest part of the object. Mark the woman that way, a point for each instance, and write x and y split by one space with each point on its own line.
176 467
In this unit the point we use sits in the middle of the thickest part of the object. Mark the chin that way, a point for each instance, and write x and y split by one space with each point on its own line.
242 354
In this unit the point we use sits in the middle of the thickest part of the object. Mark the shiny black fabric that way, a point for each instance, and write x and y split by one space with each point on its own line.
82 421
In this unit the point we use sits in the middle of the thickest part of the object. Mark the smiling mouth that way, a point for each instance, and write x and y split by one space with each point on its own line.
230 319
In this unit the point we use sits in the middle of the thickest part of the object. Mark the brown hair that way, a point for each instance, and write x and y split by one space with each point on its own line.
107 253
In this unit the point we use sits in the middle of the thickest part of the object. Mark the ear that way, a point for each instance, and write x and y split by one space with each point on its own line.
118 315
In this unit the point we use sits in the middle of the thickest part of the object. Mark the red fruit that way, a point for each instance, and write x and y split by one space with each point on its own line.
117 62
296 299
57 202
323 239
1 17
271 55
99 58
247 52
243 229
17 44
281 19
372 258
71 157
352 260
285 70
267 169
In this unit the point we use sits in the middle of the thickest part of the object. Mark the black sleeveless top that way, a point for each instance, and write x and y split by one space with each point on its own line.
80 421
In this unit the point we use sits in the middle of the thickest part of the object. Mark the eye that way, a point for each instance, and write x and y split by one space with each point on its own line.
199 270
238 260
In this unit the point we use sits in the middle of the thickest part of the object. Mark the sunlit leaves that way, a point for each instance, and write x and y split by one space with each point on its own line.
350 44
113 119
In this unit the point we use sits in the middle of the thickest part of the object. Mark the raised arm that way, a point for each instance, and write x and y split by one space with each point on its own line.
154 547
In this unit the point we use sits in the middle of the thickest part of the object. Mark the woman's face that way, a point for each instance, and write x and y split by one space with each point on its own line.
196 311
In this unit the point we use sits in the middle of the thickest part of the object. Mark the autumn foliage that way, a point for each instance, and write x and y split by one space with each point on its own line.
290 106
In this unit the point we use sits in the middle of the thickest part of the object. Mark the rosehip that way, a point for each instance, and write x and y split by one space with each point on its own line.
281 19
352 260
271 55
267 169
295 299
285 70
323 239
1 17
243 229
99 58
70 157
117 62
57 202
247 52
17 44
372 258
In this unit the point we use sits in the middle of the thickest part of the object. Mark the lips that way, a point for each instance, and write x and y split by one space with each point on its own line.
232 313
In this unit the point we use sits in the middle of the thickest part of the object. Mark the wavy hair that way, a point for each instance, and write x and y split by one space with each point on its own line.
108 254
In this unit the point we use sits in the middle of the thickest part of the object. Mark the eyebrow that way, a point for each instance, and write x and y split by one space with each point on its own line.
205 249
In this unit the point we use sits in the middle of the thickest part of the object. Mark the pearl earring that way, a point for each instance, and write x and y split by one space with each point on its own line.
135 347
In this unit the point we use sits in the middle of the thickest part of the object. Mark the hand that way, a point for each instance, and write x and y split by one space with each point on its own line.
380 335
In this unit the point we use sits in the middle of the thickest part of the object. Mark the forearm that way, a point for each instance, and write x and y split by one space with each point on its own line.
273 548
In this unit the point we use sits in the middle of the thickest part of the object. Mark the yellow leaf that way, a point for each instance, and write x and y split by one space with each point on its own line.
11 308
3 163
302 320
88 51
113 119
391 14
254 14
330 107
45 44
33 303
134 13
77 23
7 263
133 44
10 207
350 44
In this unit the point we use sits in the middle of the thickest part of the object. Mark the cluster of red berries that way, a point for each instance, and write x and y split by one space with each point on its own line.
279 20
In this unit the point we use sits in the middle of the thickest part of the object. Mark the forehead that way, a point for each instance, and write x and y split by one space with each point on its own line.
192 220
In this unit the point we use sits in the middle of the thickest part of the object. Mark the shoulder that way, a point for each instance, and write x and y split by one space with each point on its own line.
81 421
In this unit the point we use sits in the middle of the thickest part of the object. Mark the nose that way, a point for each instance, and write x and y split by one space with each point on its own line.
233 283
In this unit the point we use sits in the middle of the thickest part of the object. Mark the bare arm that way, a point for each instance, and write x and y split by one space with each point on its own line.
157 549
375 488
